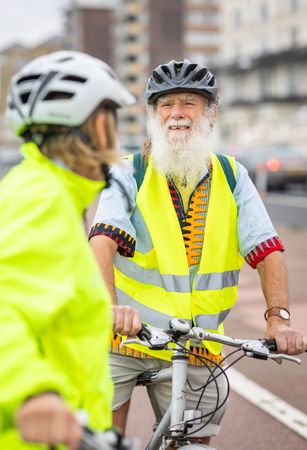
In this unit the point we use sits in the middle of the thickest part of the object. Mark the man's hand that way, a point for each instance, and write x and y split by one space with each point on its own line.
126 320
47 419
289 340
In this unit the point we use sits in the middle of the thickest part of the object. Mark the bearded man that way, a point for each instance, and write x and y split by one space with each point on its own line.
194 217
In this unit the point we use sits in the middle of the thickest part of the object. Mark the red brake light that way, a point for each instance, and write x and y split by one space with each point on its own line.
273 165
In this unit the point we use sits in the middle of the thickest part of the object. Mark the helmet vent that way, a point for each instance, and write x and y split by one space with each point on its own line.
28 78
212 82
67 58
24 97
167 71
58 95
74 78
200 74
157 77
189 69
178 67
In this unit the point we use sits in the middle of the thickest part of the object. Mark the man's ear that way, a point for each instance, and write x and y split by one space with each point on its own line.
100 129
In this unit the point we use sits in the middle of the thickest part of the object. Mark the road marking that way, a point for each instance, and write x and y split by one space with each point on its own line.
268 402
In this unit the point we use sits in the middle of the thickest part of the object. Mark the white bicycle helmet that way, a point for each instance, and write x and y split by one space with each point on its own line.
62 88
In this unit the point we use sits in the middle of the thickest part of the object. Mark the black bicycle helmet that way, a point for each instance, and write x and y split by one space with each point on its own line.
178 76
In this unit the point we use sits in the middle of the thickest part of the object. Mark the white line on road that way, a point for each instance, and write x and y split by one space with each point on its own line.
271 404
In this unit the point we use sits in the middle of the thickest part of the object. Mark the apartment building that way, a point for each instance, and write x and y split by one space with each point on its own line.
134 36
150 32
263 73
90 29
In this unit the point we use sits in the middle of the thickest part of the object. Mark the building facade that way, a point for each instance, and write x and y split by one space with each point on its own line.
150 32
90 30
263 73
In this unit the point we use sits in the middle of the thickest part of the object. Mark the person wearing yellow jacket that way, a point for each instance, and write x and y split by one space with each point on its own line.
55 315
195 216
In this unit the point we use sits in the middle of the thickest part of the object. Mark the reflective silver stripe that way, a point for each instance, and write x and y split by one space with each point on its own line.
148 315
216 281
211 321
143 243
171 283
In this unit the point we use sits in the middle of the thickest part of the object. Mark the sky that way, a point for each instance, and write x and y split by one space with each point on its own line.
29 22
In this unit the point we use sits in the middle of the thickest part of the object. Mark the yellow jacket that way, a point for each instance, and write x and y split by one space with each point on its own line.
55 317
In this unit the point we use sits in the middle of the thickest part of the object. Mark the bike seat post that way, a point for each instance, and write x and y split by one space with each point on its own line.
179 380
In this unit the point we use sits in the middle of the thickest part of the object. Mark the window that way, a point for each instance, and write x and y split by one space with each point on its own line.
131 18
131 38
201 38
263 12
264 44
294 36
293 80
131 119
131 79
200 18
130 58
237 19
294 5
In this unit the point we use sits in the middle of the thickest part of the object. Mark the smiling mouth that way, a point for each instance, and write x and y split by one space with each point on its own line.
181 127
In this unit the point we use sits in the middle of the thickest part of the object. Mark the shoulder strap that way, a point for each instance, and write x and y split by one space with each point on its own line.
139 168
228 171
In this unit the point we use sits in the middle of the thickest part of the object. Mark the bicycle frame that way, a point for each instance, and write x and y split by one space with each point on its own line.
172 426
173 419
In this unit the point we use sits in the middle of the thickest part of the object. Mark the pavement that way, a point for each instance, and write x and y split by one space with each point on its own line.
245 426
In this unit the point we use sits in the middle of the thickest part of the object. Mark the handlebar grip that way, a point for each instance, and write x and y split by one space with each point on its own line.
144 334
271 344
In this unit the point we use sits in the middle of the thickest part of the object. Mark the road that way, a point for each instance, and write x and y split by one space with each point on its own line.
288 209
245 426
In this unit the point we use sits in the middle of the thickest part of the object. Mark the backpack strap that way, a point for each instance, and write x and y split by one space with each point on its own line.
139 168
228 171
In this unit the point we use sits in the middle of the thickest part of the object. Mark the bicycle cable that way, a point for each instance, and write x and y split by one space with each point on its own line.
212 378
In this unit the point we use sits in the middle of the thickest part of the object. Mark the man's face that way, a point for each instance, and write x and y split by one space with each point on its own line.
179 128
179 112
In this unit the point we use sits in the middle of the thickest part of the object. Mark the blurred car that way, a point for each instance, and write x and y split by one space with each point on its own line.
282 165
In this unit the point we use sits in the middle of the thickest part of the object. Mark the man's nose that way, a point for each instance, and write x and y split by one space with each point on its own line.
177 112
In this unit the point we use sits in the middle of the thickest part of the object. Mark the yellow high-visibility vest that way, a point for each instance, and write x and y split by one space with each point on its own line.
156 281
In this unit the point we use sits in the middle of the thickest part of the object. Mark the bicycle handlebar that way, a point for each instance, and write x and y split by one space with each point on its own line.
180 329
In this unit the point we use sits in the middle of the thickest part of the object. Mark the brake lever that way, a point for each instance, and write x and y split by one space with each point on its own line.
135 341
286 357
153 338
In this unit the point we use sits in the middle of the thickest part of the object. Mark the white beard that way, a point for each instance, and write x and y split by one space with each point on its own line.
182 155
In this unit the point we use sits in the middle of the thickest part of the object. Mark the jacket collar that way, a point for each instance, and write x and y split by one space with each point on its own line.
82 190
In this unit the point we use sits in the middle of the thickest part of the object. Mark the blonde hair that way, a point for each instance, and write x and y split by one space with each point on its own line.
84 158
